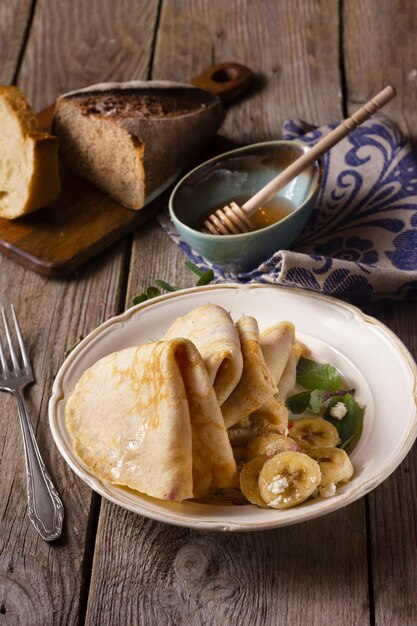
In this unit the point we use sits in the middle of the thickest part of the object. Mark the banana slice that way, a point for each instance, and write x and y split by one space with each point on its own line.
269 445
249 480
335 467
314 432
288 479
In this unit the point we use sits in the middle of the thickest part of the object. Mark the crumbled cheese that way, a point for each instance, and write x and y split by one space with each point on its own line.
279 485
329 491
275 502
338 411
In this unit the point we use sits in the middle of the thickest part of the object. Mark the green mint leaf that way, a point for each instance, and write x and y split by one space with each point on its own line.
152 292
299 402
317 397
163 285
205 278
312 375
350 426
194 268
142 298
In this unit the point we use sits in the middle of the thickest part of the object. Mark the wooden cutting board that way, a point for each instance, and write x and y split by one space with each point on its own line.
82 222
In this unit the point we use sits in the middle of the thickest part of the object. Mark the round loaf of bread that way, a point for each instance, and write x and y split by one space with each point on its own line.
132 140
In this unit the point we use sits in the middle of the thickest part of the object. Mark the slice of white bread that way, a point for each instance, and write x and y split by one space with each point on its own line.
29 172
132 140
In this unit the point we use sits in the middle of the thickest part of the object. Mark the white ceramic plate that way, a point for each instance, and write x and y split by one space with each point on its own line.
373 359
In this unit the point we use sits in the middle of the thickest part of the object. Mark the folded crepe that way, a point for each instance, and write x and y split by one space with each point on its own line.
148 418
271 416
272 412
212 331
288 379
276 343
256 383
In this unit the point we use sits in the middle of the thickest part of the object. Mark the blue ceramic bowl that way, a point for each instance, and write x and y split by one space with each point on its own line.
237 173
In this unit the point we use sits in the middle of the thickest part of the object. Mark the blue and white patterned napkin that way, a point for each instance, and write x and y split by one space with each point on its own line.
361 241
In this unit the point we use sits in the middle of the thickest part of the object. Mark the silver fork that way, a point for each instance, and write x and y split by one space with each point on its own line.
45 509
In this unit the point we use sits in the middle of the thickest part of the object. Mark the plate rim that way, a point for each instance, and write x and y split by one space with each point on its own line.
176 519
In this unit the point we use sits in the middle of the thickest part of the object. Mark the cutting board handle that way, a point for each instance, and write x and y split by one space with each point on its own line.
226 80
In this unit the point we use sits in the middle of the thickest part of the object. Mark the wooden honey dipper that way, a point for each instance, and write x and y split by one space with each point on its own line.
233 219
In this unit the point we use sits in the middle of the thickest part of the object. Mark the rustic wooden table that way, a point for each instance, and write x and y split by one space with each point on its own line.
314 59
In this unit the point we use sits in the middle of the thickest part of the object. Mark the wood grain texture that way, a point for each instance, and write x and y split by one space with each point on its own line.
157 574
40 583
14 16
381 48
149 573
393 508
292 47
99 40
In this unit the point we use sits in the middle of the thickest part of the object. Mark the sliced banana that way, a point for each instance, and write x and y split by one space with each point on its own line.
269 445
249 480
288 479
314 432
335 467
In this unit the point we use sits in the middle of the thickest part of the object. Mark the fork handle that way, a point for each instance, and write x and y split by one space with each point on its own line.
45 509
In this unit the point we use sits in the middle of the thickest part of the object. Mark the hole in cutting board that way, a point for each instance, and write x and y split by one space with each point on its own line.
224 75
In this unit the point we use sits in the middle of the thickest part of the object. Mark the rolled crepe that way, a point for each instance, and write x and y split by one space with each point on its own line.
287 383
148 418
276 344
256 383
271 417
272 412
212 331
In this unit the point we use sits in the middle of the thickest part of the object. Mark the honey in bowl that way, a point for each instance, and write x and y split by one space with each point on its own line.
273 211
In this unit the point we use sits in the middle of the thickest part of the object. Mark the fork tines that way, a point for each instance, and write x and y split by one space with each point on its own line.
16 369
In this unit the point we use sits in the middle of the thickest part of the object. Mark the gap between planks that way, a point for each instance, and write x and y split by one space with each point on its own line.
24 42
344 96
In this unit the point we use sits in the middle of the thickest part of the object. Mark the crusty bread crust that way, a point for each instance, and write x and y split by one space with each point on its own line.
105 155
170 122
21 109
29 171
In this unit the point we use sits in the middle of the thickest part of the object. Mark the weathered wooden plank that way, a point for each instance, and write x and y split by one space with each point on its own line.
393 509
148 573
40 583
14 18
380 48
156 574
99 40
293 55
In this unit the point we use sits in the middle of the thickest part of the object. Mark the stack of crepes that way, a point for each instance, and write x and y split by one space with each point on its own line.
168 418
